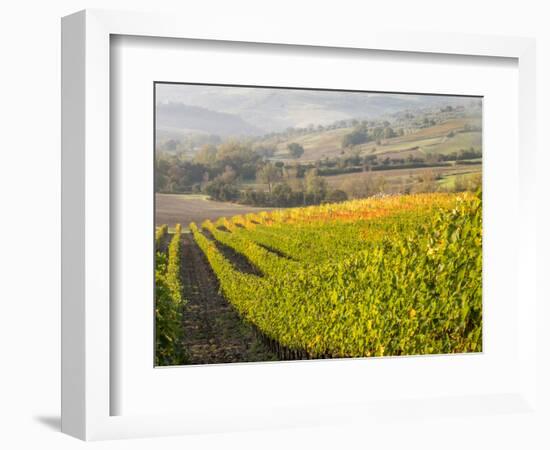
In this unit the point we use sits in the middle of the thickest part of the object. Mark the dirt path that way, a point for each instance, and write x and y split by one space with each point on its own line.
213 331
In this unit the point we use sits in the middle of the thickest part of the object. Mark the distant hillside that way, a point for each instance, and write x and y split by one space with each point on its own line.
178 118
434 139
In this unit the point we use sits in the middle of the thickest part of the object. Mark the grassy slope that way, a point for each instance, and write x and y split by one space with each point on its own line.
449 180
400 177
417 143
327 144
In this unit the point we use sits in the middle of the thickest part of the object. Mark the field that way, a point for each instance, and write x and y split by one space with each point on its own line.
443 139
395 180
389 276
171 209
434 139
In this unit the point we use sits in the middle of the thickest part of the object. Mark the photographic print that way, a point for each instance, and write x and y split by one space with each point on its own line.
295 224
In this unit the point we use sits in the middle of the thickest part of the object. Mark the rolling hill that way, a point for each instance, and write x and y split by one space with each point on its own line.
176 119
435 139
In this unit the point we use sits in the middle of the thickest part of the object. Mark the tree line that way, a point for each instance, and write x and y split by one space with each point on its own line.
241 172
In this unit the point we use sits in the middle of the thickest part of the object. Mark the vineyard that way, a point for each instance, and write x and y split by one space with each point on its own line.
397 275
169 300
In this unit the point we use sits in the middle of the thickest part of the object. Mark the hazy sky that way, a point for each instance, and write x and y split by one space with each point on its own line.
275 109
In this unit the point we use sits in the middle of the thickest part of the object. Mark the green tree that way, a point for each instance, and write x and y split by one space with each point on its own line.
295 150
316 186
269 174
389 133
221 190
282 195
336 196
358 136
206 155
236 154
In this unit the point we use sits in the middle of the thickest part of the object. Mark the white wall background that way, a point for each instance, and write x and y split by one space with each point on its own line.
30 193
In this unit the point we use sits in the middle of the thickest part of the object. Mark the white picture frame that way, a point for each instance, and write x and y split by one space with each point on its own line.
87 386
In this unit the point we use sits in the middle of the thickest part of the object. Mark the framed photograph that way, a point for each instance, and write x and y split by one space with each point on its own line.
270 229
291 224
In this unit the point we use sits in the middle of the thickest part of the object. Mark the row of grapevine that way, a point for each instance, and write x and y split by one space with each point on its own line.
169 304
353 210
317 233
413 289
160 234
263 259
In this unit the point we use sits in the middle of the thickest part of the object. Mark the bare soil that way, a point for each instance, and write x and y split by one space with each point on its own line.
213 331
171 209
